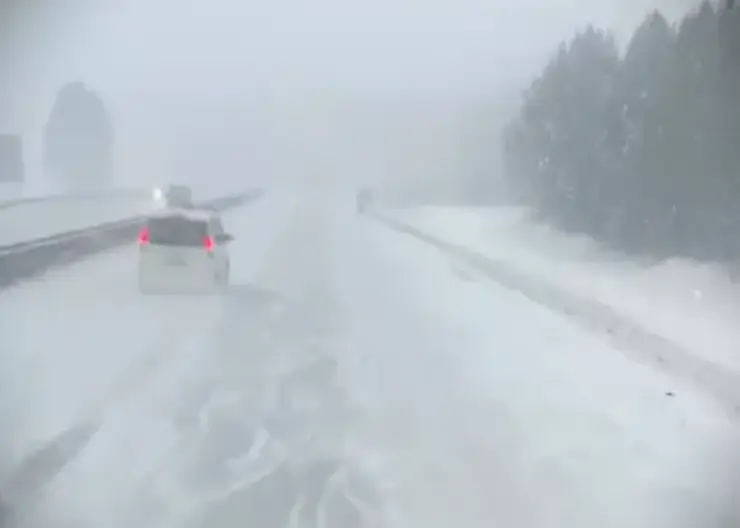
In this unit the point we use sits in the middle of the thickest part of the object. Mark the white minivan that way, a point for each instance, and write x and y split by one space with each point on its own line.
184 251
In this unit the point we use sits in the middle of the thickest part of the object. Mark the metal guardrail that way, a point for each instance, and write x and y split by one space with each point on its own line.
15 202
42 216
9 203
27 259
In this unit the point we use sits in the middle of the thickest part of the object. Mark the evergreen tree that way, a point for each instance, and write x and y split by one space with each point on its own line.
640 151
78 139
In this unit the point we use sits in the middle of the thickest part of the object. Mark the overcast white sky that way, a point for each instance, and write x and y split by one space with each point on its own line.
199 47
151 59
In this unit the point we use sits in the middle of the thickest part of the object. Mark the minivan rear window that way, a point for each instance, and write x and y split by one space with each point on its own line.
177 231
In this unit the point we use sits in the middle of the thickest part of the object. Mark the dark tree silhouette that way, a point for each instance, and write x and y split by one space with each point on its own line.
78 139
641 151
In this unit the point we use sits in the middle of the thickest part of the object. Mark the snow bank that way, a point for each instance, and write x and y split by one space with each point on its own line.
693 304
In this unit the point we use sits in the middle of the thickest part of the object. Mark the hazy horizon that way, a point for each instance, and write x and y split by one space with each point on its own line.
158 65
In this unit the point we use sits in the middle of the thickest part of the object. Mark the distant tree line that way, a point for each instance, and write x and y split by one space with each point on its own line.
640 149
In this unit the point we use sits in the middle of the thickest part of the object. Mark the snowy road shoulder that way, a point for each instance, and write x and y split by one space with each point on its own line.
696 344
539 412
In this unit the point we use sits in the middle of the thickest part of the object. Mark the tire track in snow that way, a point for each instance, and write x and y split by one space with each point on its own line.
24 486
266 422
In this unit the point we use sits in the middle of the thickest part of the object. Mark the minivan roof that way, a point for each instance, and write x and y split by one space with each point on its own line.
190 213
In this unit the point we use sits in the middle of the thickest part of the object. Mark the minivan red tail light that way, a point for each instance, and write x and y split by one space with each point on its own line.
143 237
209 243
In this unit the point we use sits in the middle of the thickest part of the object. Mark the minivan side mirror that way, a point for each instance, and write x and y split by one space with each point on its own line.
224 238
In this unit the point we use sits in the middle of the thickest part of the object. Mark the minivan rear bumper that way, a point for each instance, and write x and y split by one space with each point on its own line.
197 275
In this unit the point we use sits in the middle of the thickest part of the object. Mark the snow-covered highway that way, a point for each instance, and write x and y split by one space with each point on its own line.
353 376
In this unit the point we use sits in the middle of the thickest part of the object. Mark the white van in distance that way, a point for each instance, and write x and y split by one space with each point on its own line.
179 196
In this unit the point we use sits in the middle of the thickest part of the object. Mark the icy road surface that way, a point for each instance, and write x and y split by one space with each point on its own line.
353 377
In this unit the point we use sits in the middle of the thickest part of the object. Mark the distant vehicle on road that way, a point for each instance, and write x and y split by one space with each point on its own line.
184 251
179 196
364 199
